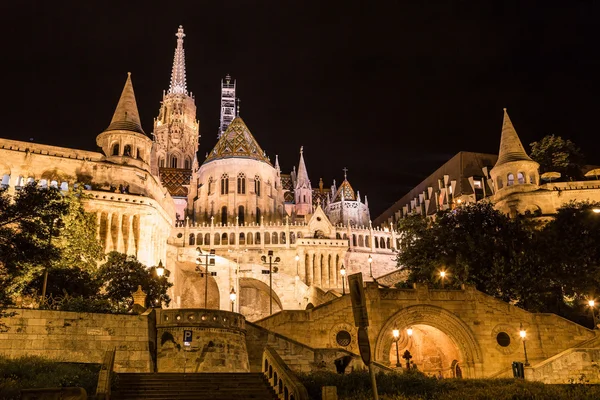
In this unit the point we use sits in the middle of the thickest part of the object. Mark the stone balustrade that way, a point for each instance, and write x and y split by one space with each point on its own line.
286 385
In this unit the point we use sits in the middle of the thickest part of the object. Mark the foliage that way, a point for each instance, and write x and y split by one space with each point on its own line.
416 386
61 281
554 154
35 372
122 275
518 260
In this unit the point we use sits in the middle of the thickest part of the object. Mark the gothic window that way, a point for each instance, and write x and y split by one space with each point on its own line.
200 239
258 216
217 239
304 198
241 215
367 241
510 180
354 240
192 239
232 238
257 238
361 241
127 150
388 243
115 151
376 242
225 184
257 185
224 239
188 163
382 243
242 240
173 162
292 238
249 238
282 238
207 239
267 238
224 215
241 183
275 238
521 178
161 162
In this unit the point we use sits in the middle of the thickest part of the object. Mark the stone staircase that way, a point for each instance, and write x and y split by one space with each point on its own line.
205 386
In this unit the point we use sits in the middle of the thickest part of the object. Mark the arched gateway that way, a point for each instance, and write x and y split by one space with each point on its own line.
438 343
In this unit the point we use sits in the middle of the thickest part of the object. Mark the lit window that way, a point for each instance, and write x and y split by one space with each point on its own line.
225 184
477 184
510 180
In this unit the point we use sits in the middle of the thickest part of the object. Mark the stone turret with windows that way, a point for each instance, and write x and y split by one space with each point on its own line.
514 171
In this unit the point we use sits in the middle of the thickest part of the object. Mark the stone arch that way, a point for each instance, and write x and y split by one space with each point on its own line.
439 318
254 299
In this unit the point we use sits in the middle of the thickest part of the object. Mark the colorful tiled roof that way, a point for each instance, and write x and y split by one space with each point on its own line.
347 190
237 141
174 180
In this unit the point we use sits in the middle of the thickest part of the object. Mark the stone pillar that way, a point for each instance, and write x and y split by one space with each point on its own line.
119 246
109 241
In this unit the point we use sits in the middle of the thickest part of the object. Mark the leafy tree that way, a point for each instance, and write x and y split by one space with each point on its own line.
122 274
475 244
554 154
65 281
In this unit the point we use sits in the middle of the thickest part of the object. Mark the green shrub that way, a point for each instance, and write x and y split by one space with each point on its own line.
416 386
31 372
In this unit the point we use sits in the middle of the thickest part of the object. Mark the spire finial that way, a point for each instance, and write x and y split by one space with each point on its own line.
178 84
301 149
345 172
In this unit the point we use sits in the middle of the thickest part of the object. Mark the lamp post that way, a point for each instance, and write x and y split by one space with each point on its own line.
209 259
370 260
523 335
160 270
592 303
396 334
443 277
52 221
407 354
343 273
232 297
270 261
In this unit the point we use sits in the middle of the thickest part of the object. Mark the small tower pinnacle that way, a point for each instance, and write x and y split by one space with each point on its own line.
178 84
345 172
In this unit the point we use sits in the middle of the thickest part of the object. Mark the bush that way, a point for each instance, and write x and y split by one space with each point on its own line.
416 386
86 304
31 372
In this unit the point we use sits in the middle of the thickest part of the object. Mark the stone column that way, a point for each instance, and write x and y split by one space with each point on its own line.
109 241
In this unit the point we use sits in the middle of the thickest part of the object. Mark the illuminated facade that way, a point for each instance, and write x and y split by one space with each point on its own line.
154 200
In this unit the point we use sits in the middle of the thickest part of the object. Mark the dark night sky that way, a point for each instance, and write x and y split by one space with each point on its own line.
390 90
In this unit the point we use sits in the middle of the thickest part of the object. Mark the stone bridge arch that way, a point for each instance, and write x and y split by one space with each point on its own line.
439 318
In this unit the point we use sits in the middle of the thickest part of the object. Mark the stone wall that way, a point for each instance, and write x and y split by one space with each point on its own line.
80 337
576 365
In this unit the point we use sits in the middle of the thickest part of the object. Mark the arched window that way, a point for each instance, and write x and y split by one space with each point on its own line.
224 239
192 239
274 239
224 184
199 239
258 216
510 180
6 181
127 150
257 238
388 243
257 185
242 239
381 243
249 238
232 238
173 162
354 240
367 241
520 178
267 238
188 163
500 183
161 162
241 215
139 154
217 239
376 242
292 238
224 215
115 150
282 238
207 239
241 183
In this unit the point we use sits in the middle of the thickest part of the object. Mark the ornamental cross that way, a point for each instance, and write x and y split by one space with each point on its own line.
345 171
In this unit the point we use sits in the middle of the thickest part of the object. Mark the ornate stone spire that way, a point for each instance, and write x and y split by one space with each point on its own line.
302 177
178 85
511 148
126 116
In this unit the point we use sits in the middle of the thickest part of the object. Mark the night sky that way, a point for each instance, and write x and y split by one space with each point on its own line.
390 90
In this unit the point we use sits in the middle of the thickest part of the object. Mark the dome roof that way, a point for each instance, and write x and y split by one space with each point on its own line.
237 142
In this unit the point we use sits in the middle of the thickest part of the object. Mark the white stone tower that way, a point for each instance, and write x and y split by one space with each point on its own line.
302 189
176 129
227 104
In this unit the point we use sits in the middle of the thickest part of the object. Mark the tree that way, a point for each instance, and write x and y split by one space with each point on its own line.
122 274
474 244
554 154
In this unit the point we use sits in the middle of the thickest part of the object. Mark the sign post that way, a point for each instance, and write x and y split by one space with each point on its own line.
361 321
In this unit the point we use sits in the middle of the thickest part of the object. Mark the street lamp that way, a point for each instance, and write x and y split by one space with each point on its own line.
443 277
343 273
270 271
370 260
160 270
396 334
209 259
232 297
409 332
523 335
592 303
596 210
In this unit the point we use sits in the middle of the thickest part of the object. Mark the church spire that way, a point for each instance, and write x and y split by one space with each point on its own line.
302 177
178 85
126 116
511 148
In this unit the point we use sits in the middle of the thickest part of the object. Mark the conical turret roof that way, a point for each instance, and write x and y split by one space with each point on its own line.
237 141
511 148
126 116
302 177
